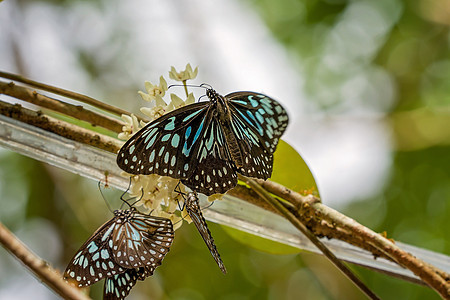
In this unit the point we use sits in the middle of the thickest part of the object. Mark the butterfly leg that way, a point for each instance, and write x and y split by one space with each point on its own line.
125 201
126 191
177 189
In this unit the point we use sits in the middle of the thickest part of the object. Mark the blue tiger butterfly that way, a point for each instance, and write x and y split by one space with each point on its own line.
204 144
126 248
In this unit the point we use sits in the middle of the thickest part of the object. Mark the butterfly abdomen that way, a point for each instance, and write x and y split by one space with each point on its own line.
225 119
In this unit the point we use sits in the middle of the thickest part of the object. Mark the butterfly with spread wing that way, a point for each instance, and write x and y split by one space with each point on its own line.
126 248
204 144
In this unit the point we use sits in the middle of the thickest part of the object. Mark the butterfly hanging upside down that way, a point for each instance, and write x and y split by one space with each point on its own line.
204 144
126 248
194 211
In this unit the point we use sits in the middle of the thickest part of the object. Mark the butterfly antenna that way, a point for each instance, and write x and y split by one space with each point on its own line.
188 85
126 191
123 203
103 196
206 86
202 97
208 206
122 196
140 198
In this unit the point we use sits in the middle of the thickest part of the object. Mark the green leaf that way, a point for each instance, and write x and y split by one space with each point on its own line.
290 170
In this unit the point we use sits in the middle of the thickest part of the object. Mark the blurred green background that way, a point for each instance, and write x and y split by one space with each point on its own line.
363 62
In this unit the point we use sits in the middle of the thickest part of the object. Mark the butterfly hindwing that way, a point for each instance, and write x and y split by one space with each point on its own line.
261 114
194 211
94 261
117 287
126 248
257 123
143 242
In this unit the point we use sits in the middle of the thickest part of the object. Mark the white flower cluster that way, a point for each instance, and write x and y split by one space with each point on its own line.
157 193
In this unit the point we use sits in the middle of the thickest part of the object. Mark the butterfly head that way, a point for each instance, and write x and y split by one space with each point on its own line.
212 95
191 198
126 214
220 103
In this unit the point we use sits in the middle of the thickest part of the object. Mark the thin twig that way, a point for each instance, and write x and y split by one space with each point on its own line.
249 195
61 128
300 226
41 268
75 111
69 94
432 276
428 274
319 227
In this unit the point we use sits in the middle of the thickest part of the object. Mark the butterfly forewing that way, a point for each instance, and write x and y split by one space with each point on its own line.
119 286
257 122
262 115
94 261
129 241
166 145
194 211
143 242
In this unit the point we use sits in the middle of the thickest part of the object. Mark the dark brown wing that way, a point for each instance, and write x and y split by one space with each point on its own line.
94 260
119 286
143 241
257 123
194 211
